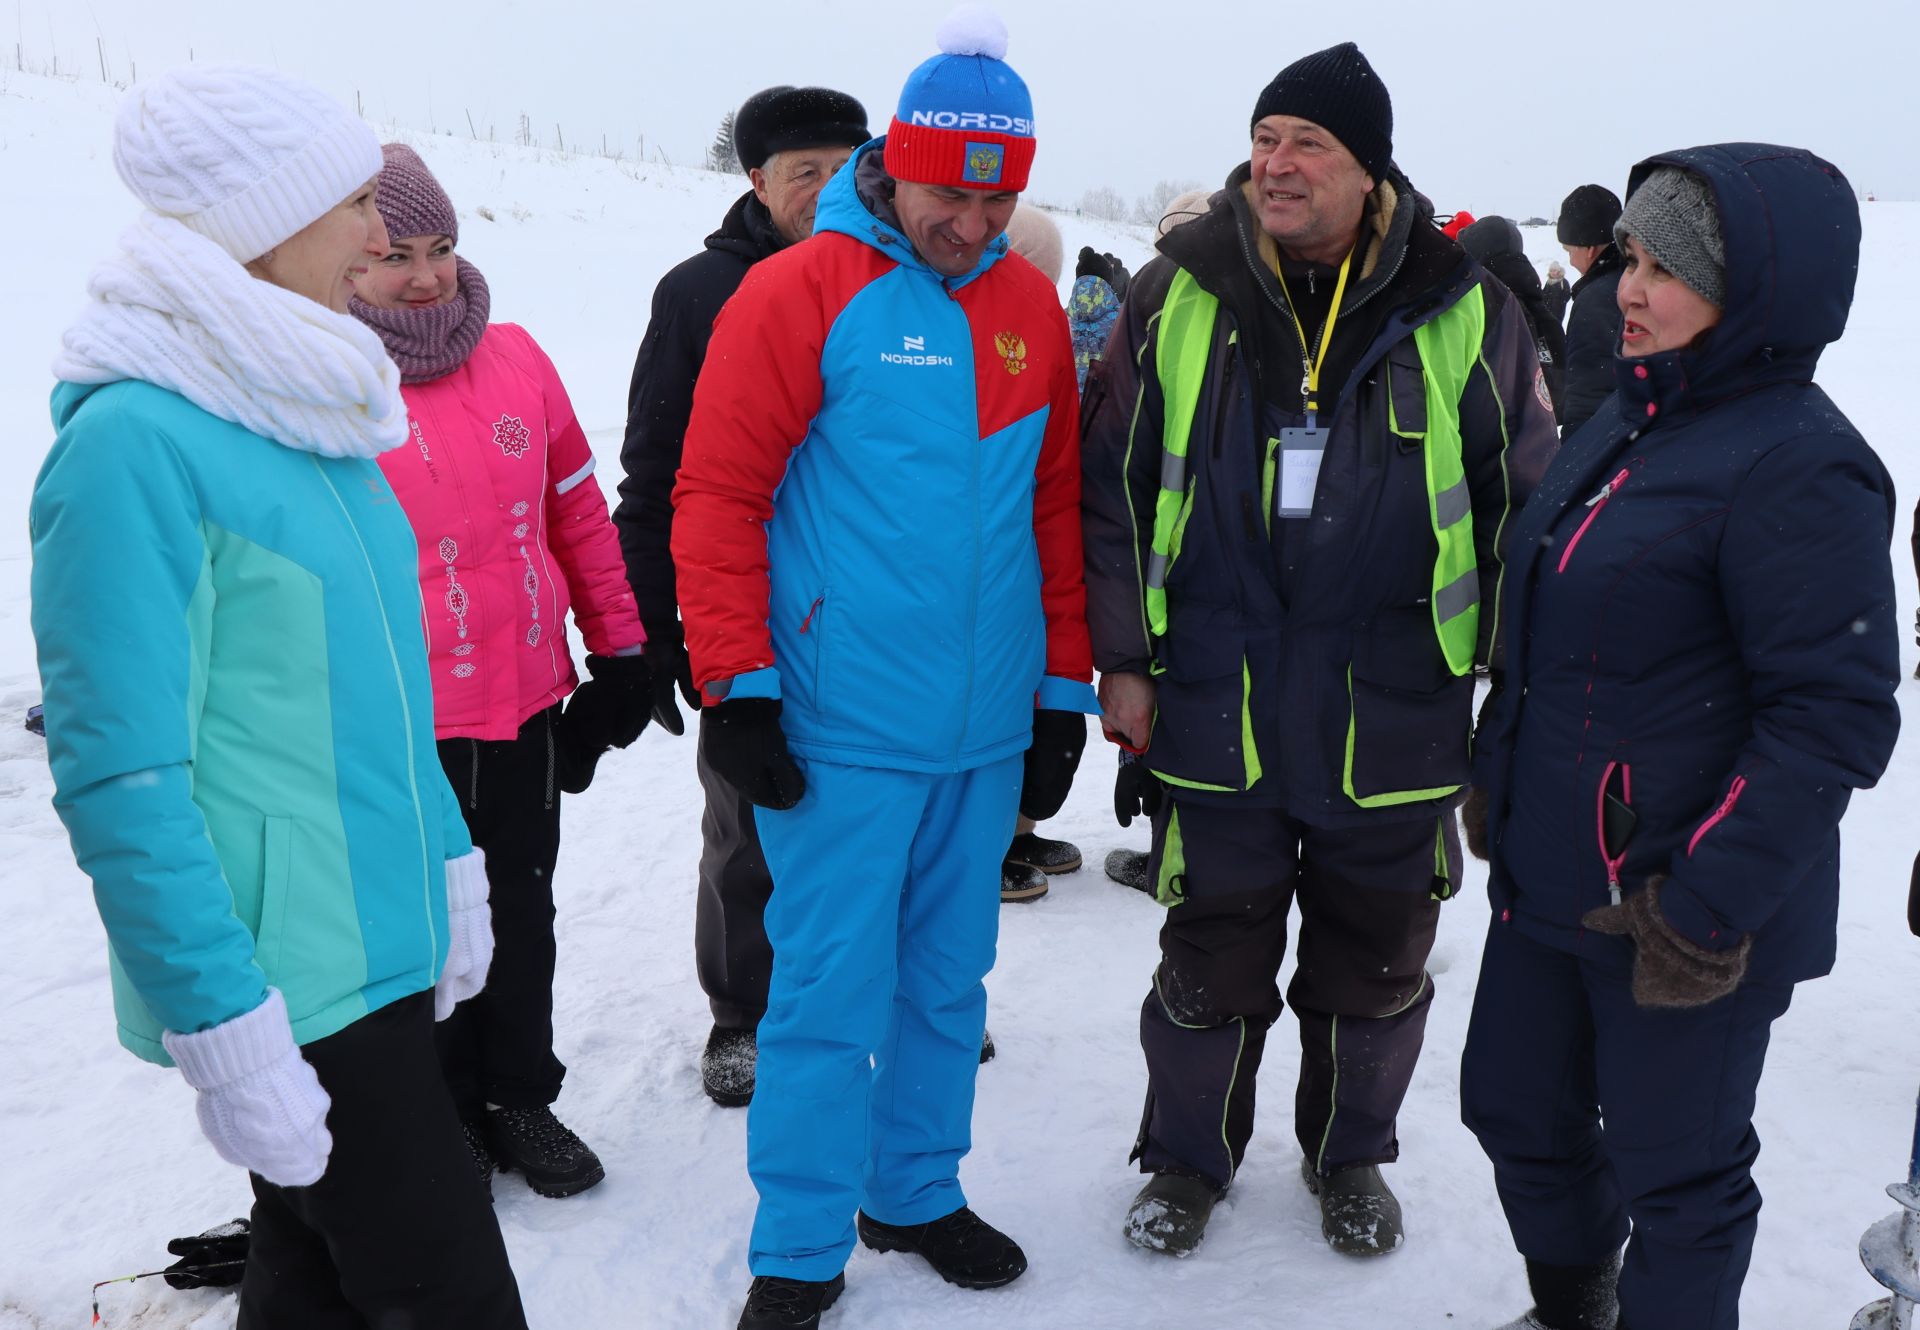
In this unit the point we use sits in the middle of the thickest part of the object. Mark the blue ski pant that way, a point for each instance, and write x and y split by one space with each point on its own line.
883 918
1608 1122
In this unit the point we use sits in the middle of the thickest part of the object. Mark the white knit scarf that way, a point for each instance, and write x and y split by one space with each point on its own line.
175 310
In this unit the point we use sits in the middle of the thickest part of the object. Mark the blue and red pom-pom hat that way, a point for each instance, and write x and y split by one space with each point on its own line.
965 118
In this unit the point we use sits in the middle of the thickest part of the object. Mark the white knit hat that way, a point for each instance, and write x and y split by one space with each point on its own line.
245 156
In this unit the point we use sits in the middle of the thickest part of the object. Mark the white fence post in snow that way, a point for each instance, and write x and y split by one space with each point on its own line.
1887 1251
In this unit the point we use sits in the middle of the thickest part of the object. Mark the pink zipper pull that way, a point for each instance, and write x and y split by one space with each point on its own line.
810 612
1606 490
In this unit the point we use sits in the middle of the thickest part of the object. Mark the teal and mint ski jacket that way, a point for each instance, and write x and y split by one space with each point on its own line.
239 717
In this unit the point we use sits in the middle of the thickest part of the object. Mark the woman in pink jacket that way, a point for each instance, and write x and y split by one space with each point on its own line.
513 531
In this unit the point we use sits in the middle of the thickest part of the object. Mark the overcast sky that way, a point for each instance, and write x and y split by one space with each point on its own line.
1499 105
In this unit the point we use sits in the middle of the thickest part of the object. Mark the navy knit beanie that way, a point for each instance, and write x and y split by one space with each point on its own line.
1337 90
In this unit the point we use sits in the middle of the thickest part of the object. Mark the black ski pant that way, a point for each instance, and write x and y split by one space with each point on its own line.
730 948
1360 991
399 1230
497 1047
1555 1039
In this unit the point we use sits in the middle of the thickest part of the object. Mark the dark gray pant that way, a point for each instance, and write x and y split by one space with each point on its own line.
730 947
1361 990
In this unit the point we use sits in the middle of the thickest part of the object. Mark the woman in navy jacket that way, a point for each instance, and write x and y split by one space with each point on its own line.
1701 658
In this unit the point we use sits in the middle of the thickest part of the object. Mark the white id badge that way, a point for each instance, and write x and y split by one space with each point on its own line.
1300 454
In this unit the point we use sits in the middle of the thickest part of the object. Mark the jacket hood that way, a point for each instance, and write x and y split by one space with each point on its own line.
858 202
1792 232
747 230
1491 237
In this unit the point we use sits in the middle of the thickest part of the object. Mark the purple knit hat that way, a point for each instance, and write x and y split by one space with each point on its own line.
410 200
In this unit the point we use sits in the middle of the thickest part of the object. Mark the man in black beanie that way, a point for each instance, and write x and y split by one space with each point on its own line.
791 140
1585 230
1334 411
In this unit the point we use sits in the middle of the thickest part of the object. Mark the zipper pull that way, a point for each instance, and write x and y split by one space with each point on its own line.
1310 290
1306 379
1606 490
1613 886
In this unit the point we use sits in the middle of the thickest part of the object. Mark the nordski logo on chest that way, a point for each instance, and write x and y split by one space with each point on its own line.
913 351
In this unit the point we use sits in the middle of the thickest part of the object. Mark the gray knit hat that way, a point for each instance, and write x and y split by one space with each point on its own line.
1673 217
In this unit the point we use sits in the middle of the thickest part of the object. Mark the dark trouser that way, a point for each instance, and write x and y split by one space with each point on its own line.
1555 1036
730 947
497 1047
1361 990
399 1231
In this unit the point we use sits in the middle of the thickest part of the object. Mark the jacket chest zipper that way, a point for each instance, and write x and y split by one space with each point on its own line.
1594 505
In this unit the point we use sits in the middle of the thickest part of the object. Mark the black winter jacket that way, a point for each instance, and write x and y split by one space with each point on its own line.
1557 294
1593 335
1700 611
661 399
1279 630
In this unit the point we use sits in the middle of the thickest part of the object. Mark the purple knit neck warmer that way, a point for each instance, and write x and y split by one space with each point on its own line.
433 342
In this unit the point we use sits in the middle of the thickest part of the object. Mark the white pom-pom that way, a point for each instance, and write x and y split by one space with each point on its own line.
973 30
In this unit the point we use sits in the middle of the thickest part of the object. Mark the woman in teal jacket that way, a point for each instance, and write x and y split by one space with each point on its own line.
239 717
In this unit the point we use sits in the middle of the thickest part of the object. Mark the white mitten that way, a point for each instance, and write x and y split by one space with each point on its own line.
469 934
261 1103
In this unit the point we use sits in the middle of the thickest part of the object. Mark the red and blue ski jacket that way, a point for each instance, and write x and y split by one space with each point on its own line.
878 512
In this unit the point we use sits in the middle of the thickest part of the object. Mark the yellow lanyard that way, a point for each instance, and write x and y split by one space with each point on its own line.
1310 364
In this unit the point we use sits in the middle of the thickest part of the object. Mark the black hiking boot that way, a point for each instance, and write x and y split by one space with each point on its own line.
774 1303
1572 1297
555 1161
1170 1213
726 1067
1359 1214
987 1049
1021 882
477 1146
1129 869
962 1248
1049 856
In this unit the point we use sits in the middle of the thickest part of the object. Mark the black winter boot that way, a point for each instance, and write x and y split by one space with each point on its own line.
1129 869
1359 1214
477 1146
987 1050
774 1303
962 1248
726 1067
1020 882
1049 856
555 1161
1572 1297
1170 1214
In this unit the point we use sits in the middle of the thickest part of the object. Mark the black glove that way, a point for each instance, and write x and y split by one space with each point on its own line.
1669 970
1136 791
666 656
1104 266
1059 737
607 711
1913 899
214 1259
742 741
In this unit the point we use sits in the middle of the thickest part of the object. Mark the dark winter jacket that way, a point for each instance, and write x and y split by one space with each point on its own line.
1700 609
1495 241
661 399
1557 294
1300 666
1593 335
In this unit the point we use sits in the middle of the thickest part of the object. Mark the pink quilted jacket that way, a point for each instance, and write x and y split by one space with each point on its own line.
513 529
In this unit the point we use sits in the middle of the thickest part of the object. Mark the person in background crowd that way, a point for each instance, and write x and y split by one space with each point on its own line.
1701 661
1496 243
1099 285
1585 229
238 712
513 533
1290 646
1557 292
895 367
791 141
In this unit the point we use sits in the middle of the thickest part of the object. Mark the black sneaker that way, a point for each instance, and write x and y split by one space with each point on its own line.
1170 1213
726 1067
774 1303
1359 1214
1129 869
987 1050
533 1140
1049 856
1021 882
962 1248
477 1146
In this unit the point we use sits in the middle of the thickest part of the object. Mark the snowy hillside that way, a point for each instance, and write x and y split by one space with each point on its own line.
104 1161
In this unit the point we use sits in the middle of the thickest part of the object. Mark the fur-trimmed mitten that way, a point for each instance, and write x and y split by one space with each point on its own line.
1668 969
1473 822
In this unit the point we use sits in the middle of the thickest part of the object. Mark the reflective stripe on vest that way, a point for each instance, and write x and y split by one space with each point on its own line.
1183 341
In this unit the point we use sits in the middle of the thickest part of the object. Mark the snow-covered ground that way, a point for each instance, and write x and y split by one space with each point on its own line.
104 1161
